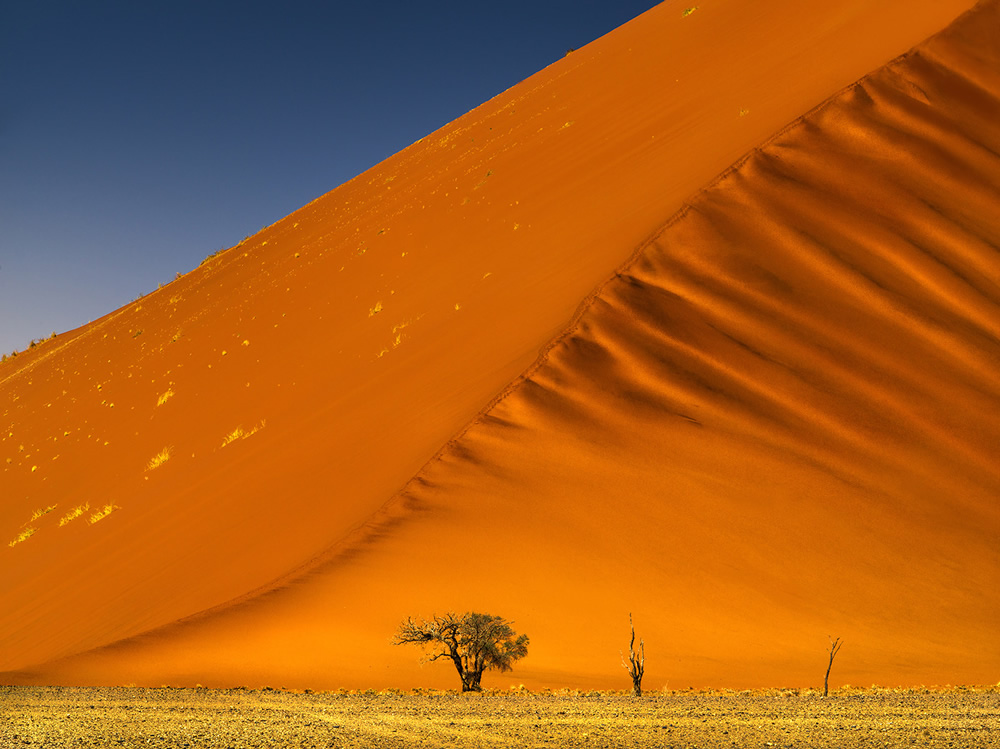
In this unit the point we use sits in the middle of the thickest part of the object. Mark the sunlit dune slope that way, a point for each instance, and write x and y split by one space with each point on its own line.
774 422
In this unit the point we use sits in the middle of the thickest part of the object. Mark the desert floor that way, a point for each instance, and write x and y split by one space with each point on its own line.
112 717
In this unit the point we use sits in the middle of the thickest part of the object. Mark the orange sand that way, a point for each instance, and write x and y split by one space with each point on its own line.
777 421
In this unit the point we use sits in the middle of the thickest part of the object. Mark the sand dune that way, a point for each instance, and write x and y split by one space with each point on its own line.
774 422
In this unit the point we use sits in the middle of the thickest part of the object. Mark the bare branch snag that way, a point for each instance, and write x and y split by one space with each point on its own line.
835 645
636 661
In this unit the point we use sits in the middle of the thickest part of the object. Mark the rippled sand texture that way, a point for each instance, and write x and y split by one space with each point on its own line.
783 418
777 421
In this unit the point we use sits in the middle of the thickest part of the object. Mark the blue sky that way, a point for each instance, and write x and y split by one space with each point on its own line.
138 137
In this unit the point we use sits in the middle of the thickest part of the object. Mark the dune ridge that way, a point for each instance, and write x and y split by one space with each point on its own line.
815 338
809 350
652 363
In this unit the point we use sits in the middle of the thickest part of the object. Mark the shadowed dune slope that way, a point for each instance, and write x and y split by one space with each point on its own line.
776 421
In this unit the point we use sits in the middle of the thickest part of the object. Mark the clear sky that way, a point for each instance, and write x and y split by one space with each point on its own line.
137 137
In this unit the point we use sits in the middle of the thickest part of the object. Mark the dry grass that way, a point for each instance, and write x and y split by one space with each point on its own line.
159 459
40 512
167 718
22 536
239 433
96 517
73 514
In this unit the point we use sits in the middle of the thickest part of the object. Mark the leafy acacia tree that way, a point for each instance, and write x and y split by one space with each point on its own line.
473 642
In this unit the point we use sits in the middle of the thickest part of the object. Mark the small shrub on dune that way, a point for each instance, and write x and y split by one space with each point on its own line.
159 459
22 536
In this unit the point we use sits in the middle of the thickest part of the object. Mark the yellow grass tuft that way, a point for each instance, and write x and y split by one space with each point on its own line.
73 514
165 397
98 516
239 433
159 459
40 512
236 434
22 536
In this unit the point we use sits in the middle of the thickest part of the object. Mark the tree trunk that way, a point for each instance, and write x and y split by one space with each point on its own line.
835 645
471 681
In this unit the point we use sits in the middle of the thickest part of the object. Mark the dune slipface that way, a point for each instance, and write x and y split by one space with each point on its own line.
775 422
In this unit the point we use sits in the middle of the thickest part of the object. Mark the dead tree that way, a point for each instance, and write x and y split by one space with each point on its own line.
835 645
473 642
636 661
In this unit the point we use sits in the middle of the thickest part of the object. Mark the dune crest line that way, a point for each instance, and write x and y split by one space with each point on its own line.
622 274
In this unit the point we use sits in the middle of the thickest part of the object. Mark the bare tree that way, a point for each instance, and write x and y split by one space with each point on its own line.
636 661
473 642
835 645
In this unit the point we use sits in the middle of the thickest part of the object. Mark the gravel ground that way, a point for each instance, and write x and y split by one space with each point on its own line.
135 717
